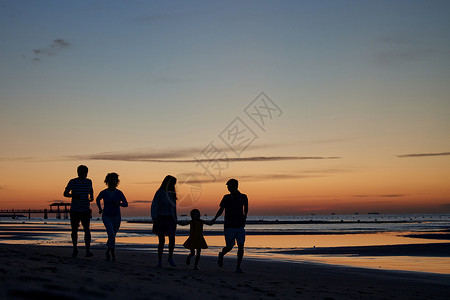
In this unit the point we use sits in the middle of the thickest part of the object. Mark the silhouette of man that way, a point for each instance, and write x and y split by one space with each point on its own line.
81 192
235 205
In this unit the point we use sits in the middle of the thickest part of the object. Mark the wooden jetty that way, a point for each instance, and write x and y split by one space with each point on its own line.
58 208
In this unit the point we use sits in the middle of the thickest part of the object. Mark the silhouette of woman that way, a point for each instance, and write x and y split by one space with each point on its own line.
164 216
113 199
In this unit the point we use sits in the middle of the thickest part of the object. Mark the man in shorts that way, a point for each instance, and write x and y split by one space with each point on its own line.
81 192
235 205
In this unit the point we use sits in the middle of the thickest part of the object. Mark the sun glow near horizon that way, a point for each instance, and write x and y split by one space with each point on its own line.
345 107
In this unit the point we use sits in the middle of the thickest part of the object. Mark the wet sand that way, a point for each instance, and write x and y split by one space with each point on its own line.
430 249
48 272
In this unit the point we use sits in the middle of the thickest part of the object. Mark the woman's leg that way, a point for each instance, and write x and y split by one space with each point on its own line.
171 245
160 248
116 224
109 231
115 227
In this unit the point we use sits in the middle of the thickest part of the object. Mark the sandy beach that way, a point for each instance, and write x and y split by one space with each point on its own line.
48 272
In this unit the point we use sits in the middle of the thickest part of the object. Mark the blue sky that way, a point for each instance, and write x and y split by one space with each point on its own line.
360 80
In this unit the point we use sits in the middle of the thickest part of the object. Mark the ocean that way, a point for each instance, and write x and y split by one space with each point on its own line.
410 242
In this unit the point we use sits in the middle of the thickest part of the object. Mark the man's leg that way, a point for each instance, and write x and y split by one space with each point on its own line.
85 221
240 255
240 239
74 223
229 240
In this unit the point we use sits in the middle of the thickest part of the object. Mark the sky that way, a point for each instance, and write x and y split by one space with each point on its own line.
316 107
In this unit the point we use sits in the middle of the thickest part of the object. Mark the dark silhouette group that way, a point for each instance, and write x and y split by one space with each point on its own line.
164 217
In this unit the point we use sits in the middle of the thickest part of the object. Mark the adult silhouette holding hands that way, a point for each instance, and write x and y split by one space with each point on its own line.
235 205
113 199
164 216
81 192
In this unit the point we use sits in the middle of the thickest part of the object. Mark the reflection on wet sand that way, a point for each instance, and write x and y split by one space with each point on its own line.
330 248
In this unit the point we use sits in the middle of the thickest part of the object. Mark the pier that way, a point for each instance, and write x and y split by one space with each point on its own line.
58 208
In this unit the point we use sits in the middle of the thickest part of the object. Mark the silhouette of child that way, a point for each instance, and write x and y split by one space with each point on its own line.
196 241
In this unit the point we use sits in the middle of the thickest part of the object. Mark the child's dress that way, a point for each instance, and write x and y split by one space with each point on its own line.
196 239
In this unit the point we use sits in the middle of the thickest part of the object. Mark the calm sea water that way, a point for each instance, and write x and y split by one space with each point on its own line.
268 236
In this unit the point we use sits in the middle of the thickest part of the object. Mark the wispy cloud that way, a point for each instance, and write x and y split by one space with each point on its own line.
380 196
25 158
184 156
55 46
330 141
445 206
172 158
397 49
424 154
142 201
198 178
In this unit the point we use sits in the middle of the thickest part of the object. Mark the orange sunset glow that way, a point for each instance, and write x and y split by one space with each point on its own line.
312 114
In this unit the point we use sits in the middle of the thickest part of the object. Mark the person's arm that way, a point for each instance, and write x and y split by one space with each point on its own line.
123 201
246 207
219 212
91 192
209 223
154 207
67 191
99 197
183 223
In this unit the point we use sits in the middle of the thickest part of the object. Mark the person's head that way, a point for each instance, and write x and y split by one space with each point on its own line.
112 180
232 185
82 171
195 214
168 184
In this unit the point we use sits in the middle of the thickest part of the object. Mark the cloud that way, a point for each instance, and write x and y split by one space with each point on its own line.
141 201
445 206
381 196
329 141
55 46
199 178
424 154
397 49
185 156
25 158
396 56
